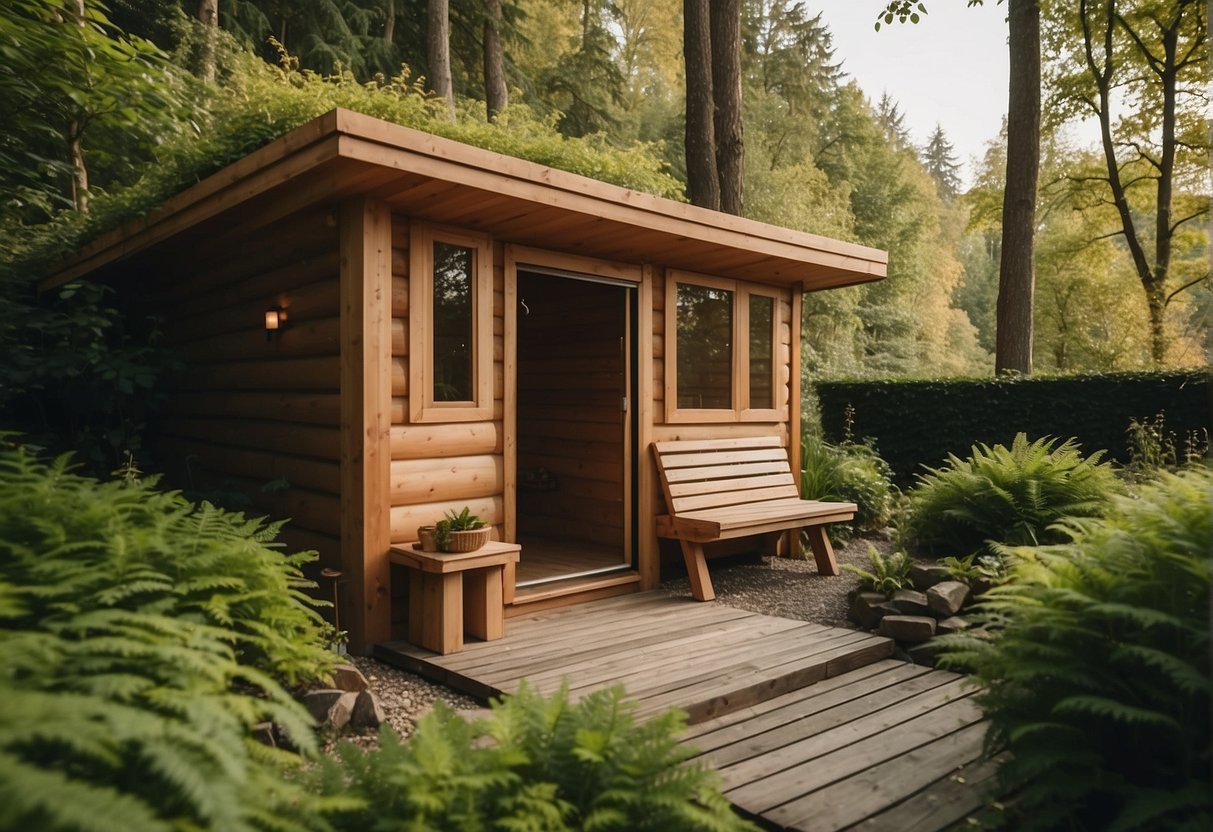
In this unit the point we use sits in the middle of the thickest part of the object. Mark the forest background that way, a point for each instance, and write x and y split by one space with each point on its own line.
135 81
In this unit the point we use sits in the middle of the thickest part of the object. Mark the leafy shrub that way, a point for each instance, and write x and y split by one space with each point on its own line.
533 764
1153 448
79 374
1009 496
140 638
888 573
1096 670
850 472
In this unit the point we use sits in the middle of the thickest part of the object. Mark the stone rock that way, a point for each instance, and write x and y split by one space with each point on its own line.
910 602
868 608
945 599
318 702
926 575
908 628
924 654
343 710
348 678
367 712
954 624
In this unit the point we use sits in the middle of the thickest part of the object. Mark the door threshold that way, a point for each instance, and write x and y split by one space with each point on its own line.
571 591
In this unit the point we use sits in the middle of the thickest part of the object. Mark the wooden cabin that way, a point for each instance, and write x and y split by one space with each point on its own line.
457 328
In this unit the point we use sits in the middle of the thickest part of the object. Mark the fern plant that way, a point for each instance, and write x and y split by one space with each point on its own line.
140 639
1011 496
888 574
535 763
1094 658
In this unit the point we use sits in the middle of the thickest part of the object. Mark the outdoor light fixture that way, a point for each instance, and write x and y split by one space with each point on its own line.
275 317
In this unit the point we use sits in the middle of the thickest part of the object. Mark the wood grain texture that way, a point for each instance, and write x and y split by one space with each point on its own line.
366 395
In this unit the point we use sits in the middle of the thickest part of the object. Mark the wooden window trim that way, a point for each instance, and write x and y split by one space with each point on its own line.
778 413
422 406
741 410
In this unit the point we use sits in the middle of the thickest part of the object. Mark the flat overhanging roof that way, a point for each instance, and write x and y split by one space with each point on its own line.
342 155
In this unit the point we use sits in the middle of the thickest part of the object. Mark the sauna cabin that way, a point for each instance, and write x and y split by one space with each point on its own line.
376 325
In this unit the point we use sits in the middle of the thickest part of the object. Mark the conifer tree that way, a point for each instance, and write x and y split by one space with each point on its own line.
939 158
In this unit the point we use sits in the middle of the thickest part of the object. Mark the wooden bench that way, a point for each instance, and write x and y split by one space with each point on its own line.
719 489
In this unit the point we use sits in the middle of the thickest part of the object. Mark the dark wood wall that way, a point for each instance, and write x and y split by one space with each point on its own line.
571 380
254 422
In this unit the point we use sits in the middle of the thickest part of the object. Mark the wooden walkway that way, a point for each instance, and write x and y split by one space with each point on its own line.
811 727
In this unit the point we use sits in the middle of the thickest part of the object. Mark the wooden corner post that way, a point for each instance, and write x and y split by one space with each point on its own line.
366 399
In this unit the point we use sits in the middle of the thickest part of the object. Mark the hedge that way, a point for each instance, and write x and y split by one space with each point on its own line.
917 422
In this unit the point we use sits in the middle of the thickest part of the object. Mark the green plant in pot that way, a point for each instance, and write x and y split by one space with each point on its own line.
461 532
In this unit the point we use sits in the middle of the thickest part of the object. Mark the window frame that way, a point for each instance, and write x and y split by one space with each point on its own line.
422 406
740 410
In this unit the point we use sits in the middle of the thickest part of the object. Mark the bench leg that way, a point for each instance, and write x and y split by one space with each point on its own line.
697 571
436 611
823 552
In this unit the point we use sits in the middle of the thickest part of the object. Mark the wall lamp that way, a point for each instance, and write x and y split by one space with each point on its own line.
275 320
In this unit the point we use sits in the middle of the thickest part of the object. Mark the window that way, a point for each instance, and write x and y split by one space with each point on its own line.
450 325
722 349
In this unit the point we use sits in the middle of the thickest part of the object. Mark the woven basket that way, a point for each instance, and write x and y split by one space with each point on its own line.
468 540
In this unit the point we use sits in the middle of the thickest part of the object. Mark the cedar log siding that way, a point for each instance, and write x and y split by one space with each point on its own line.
663 432
439 466
251 421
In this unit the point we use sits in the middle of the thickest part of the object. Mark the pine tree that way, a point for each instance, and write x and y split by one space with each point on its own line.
939 158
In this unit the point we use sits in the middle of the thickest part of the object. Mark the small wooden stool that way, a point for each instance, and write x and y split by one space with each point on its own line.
453 592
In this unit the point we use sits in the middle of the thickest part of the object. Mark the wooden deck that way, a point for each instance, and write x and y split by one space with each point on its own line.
811 727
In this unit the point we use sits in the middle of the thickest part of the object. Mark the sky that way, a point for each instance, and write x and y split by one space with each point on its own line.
950 68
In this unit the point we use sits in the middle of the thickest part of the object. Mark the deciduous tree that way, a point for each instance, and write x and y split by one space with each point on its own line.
1140 71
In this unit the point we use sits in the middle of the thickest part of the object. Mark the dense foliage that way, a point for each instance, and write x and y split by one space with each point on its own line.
1094 659
848 472
1006 496
535 763
920 421
142 639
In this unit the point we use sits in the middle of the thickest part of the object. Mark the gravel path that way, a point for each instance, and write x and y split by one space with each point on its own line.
775 586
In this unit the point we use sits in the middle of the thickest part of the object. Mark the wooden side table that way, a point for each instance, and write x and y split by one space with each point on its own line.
451 593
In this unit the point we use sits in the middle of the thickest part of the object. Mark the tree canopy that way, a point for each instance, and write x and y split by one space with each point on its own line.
123 109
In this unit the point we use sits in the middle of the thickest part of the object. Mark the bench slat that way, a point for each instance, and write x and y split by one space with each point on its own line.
710 472
732 499
723 458
677 446
687 489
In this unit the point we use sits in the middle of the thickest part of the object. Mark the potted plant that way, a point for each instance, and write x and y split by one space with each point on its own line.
427 537
462 532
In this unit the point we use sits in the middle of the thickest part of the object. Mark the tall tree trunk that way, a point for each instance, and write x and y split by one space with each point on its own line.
75 150
389 23
725 27
703 183
496 97
74 137
438 52
208 16
1017 275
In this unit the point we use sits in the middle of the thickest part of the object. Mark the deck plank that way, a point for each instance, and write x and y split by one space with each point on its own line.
811 727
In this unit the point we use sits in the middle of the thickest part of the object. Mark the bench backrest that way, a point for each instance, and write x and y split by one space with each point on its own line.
701 474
